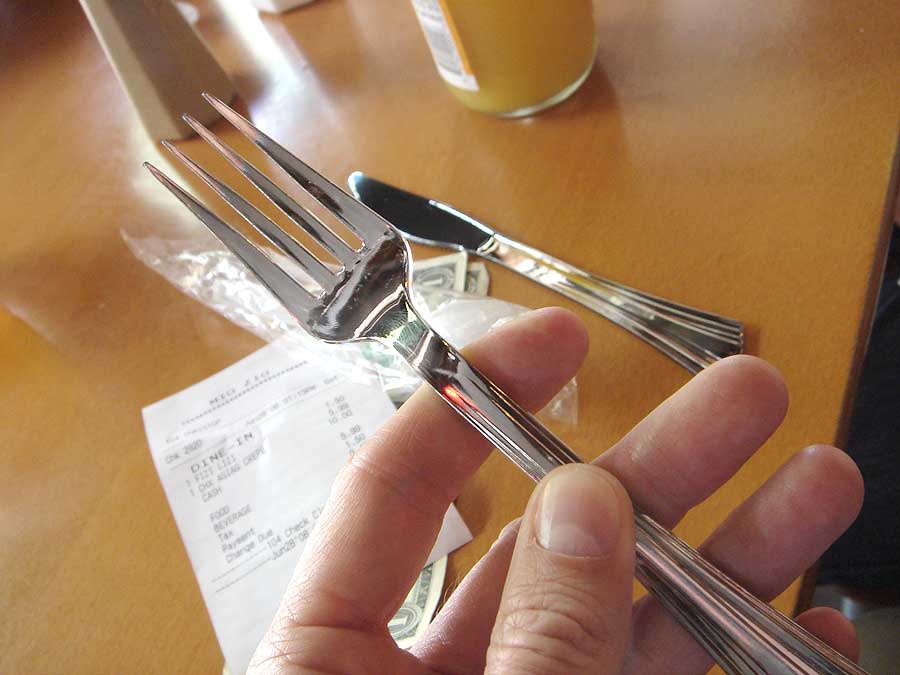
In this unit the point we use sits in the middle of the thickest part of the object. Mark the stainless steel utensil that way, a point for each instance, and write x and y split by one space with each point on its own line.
691 337
368 299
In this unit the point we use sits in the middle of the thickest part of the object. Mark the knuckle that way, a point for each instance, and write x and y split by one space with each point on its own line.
417 488
277 653
554 627
289 649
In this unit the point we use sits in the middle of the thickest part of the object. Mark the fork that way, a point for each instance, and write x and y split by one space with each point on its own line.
367 298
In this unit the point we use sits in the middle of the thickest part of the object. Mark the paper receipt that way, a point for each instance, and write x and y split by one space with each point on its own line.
247 458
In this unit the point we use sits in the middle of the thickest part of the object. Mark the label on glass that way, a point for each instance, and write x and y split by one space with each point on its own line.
443 40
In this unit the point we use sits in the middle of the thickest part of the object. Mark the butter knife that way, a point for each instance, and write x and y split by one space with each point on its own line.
693 338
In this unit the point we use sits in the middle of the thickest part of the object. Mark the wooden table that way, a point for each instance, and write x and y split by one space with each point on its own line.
731 157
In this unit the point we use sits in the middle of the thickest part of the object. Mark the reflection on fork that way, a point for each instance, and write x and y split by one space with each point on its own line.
367 298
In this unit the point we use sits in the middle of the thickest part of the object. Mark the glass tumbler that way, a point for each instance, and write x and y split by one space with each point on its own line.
510 57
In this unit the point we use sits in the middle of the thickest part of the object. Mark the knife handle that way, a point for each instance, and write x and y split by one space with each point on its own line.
691 337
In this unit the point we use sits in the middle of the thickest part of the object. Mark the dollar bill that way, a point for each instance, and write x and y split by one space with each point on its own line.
418 609
451 273
434 278
445 273
477 278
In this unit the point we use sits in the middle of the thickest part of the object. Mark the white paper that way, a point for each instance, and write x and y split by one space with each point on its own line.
247 458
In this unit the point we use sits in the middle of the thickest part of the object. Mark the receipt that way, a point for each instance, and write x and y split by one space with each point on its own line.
247 458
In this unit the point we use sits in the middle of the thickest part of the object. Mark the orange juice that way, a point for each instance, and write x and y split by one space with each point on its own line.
510 57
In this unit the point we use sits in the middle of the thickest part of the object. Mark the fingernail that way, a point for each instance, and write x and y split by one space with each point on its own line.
578 513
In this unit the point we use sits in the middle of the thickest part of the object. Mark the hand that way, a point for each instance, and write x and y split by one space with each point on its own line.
554 595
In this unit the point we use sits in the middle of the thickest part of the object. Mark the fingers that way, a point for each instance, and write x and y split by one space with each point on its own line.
832 627
387 506
661 642
696 439
566 603
683 450
772 538
324 650
788 523
458 638
699 428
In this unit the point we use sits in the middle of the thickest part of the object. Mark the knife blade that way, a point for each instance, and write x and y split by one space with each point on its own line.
419 219
691 337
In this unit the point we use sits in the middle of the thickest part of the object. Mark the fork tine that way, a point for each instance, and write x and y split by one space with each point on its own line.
315 227
291 247
367 224
286 290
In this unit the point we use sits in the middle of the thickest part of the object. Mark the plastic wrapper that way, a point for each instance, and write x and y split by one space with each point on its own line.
196 263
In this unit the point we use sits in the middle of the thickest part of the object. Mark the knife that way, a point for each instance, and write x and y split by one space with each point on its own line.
691 337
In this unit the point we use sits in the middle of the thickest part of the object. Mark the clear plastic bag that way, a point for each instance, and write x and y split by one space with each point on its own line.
196 263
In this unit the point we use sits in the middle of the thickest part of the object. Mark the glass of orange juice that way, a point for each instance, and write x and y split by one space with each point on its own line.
510 57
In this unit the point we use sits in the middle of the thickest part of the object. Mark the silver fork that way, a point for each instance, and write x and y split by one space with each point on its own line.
368 299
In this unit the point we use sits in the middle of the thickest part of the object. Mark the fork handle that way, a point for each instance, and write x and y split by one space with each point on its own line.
693 338
743 634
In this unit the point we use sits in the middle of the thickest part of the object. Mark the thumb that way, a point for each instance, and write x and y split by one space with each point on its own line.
566 605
